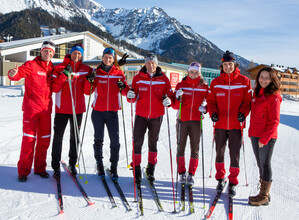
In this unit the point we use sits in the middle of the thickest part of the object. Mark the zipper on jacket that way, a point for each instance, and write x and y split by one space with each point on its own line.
150 111
108 91
192 102
228 101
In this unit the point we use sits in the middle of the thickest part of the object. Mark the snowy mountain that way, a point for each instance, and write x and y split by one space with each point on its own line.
147 28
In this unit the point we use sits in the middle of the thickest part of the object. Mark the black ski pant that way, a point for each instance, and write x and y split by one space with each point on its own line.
263 157
234 144
60 123
193 130
140 126
99 119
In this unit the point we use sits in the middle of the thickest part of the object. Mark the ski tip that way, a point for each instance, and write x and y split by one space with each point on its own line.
80 177
176 202
77 165
86 182
91 203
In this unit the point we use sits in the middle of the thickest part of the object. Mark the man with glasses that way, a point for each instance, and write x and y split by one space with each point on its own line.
37 109
74 70
152 92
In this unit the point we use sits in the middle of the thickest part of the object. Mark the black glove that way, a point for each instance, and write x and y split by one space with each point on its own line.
123 60
241 117
214 117
91 76
67 70
121 85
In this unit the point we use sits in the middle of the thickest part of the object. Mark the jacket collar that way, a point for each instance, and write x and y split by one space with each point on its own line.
230 77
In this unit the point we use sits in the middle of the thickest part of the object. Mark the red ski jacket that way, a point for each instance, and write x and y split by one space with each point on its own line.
38 94
150 93
265 115
228 95
193 96
63 101
107 95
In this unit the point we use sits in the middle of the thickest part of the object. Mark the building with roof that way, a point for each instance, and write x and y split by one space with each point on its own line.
289 80
17 52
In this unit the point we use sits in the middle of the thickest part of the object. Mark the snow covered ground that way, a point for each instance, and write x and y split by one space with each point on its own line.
36 199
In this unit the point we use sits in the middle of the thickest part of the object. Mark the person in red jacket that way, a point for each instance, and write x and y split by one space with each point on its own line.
191 92
152 92
63 107
107 85
229 100
37 109
264 120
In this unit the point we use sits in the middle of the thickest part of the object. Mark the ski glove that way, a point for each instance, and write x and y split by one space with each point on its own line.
241 117
214 117
121 85
202 109
91 76
166 102
123 60
179 94
131 94
67 70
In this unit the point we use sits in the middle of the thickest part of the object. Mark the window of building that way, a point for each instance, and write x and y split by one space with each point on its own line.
60 50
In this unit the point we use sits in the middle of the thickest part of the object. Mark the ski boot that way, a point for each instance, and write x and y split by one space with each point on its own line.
100 168
150 169
231 190
182 178
22 178
220 185
56 174
190 180
113 171
43 174
72 169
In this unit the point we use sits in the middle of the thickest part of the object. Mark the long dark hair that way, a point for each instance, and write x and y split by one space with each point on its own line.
273 86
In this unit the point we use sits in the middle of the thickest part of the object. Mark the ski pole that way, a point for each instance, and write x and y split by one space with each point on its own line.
174 210
76 128
83 133
133 152
242 126
212 150
203 164
178 148
125 136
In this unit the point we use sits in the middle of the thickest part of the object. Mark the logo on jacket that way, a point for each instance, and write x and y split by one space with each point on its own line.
220 94
143 89
41 73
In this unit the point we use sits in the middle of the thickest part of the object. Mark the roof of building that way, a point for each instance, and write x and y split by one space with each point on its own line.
29 41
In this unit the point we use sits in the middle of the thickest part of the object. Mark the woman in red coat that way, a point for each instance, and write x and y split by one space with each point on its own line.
190 94
109 82
265 115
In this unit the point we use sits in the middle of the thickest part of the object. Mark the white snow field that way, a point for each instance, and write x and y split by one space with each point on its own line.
37 198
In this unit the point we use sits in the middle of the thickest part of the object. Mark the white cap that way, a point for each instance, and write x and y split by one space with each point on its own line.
48 45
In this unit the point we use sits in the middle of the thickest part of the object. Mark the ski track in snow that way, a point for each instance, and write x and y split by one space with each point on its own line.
37 198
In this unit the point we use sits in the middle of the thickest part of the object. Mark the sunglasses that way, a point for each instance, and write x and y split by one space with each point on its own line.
109 51
195 64
79 44
49 42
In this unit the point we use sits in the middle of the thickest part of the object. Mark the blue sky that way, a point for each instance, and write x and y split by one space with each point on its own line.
265 31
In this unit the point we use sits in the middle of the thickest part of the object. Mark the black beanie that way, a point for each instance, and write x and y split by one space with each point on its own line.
228 56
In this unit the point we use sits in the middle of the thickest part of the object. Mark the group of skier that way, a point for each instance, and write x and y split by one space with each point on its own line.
229 101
